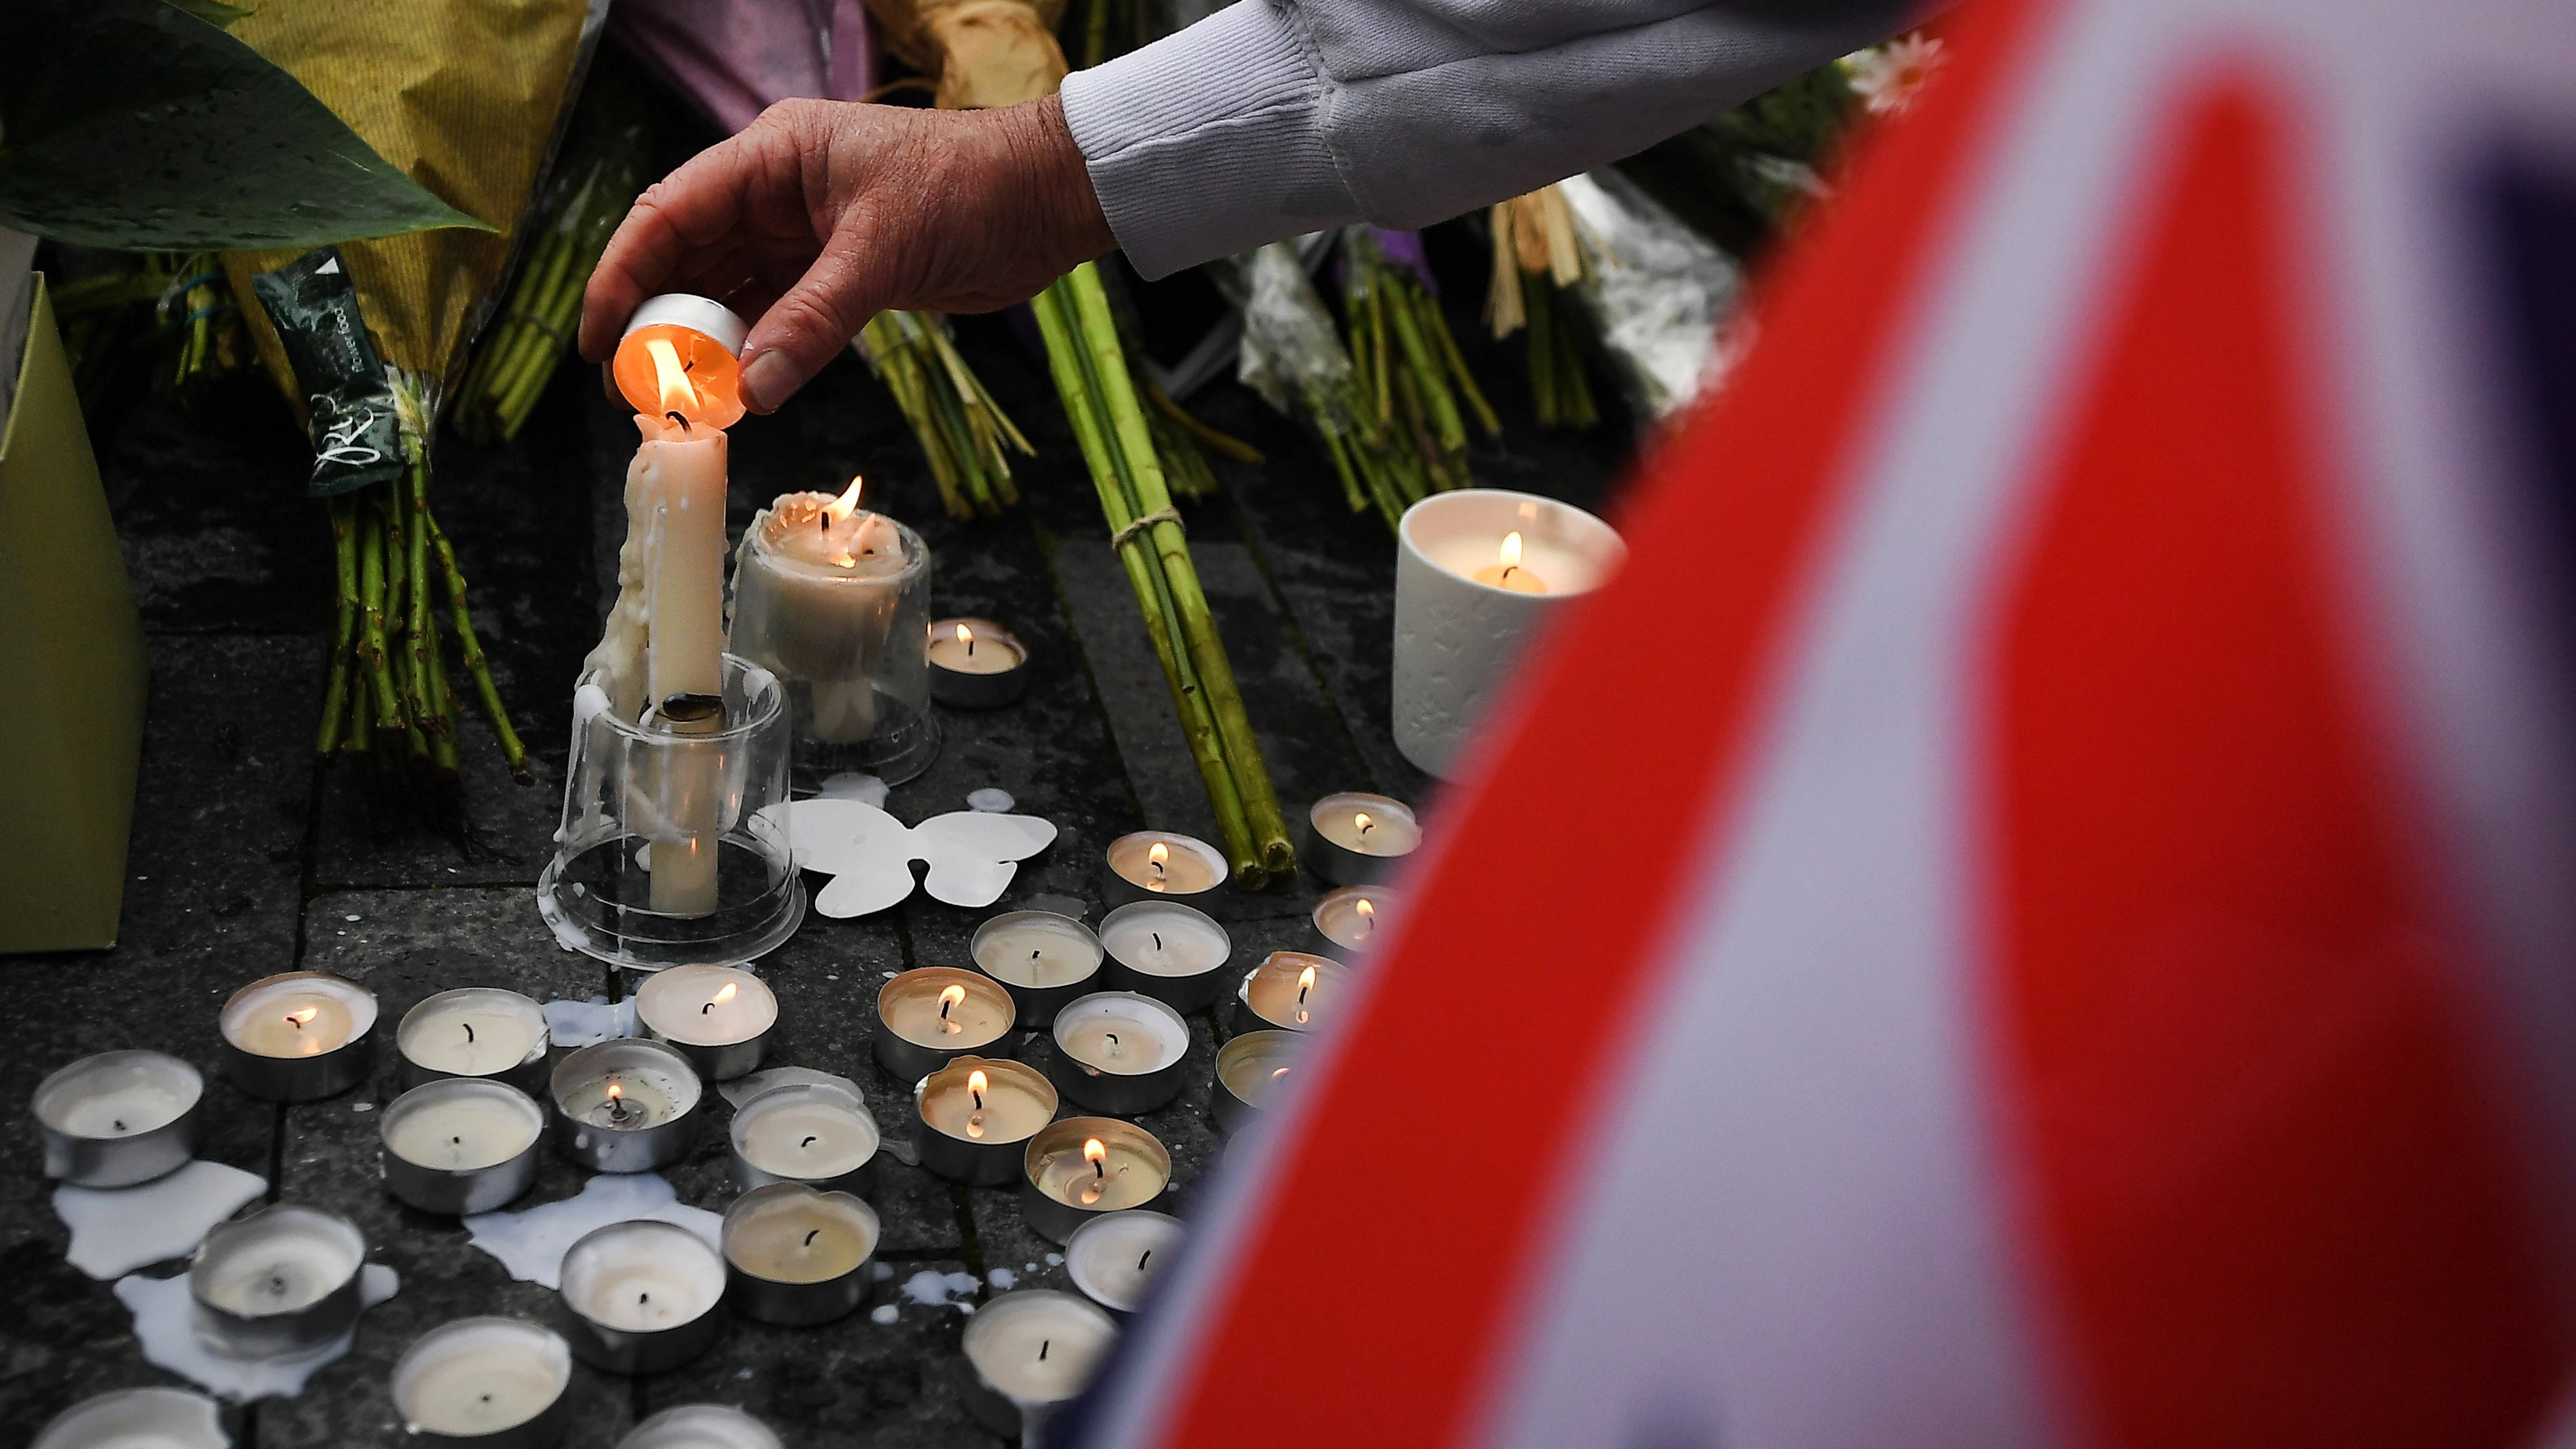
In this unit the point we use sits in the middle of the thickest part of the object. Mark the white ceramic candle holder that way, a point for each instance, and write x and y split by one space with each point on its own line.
976 664
279 1281
979 1134
299 1036
811 1133
1044 958
485 1383
1077 1168
1458 637
931 1015
475 1031
137 1419
1249 1070
836 602
461 1145
1119 1051
1028 1353
625 1105
634 789
719 1017
795 1256
1169 951
119 1118
640 1297
1115 1257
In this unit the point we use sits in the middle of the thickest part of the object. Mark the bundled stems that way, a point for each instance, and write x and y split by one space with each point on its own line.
524 345
961 429
1535 260
1409 366
1091 373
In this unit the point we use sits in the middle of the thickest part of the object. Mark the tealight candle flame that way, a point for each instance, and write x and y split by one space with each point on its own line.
949 1000
1368 916
1095 1152
975 1085
725 993
1361 819
966 637
1277 1072
297 1019
840 509
679 395
1158 857
1305 983
615 1091
1509 556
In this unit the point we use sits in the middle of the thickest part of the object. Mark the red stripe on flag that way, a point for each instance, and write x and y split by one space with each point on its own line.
2278 1207
1436 1146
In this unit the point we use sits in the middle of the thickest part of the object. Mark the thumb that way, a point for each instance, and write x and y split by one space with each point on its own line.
808 326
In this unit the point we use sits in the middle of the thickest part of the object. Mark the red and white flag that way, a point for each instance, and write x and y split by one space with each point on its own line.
2040 909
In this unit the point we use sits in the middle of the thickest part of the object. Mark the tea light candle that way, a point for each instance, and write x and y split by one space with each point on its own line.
930 1015
625 1105
976 664
718 1016
279 1281
806 1132
1119 1051
1114 1258
484 1383
1249 1069
795 1256
1160 864
137 1419
1352 839
1076 1169
461 1145
119 1118
701 1426
1291 991
1168 951
1028 1353
1477 570
1347 921
976 1115
299 1037
474 1031
1046 959
640 1296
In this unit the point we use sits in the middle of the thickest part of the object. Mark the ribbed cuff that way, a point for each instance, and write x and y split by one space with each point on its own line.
1209 142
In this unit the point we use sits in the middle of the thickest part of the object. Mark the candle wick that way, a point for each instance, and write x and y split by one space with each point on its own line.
675 417
979 1098
1507 569
703 1010
1100 1168
643 1297
469 1033
970 648
1140 1262
811 1236
1043 1346
457 1140
1158 939
808 1142
118 1124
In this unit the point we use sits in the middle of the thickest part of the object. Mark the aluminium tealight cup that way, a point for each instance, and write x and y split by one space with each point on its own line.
642 1148
1055 1219
1229 1109
418 1373
1118 889
302 1078
1339 864
748 1174
1122 1094
978 1163
910 1061
633 1351
1248 1017
330 1243
457 1191
528 1074
1194 992
961 689
1037 1005
782 1301
157 1418
81 1155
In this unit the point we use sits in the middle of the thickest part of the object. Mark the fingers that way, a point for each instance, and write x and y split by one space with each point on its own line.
817 317
700 209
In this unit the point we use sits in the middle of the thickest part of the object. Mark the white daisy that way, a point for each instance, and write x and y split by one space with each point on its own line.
1886 77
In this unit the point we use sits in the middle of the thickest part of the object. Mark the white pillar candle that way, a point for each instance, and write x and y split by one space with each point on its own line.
1122 1033
642 1277
706 1005
462 1125
1113 1258
795 1235
700 1426
678 478
301 1014
1161 939
805 1132
479 1376
1476 570
1165 862
818 582
1036 949
137 1419
475 1031
1037 1348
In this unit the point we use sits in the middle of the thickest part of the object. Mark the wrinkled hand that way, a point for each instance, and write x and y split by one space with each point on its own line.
820 214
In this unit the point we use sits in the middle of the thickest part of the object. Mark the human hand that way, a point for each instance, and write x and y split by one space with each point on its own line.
820 214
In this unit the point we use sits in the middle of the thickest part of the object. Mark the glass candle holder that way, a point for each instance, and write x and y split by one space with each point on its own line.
661 859
835 600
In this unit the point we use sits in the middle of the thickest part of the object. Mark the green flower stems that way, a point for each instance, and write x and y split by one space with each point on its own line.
535 328
962 431
1560 391
1100 397
1412 380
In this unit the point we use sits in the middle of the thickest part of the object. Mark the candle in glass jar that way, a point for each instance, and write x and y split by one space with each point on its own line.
718 1016
118 1118
298 1036
1162 863
793 1254
808 1132
479 1377
976 1113
1079 1167
930 1014
1113 1258
642 1296
1353 838
1292 991
475 1031
1120 1051
1046 959
1032 1350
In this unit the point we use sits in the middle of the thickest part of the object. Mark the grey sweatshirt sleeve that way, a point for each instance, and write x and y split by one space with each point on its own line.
1276 117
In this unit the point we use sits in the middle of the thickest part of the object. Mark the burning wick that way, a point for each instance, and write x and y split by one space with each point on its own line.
1511 553
678 394
975 1085
296 1019
1278 1072
618 1111
1362 820
1305 983
1368 917
1097 1155
721 997
950 999
1156 858
966 637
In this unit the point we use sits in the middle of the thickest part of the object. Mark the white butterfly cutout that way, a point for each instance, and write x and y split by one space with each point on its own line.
869 854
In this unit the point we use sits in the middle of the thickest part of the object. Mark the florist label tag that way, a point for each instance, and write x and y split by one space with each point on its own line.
356 440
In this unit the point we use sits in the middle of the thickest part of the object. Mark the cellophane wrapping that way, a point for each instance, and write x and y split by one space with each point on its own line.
1662 296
